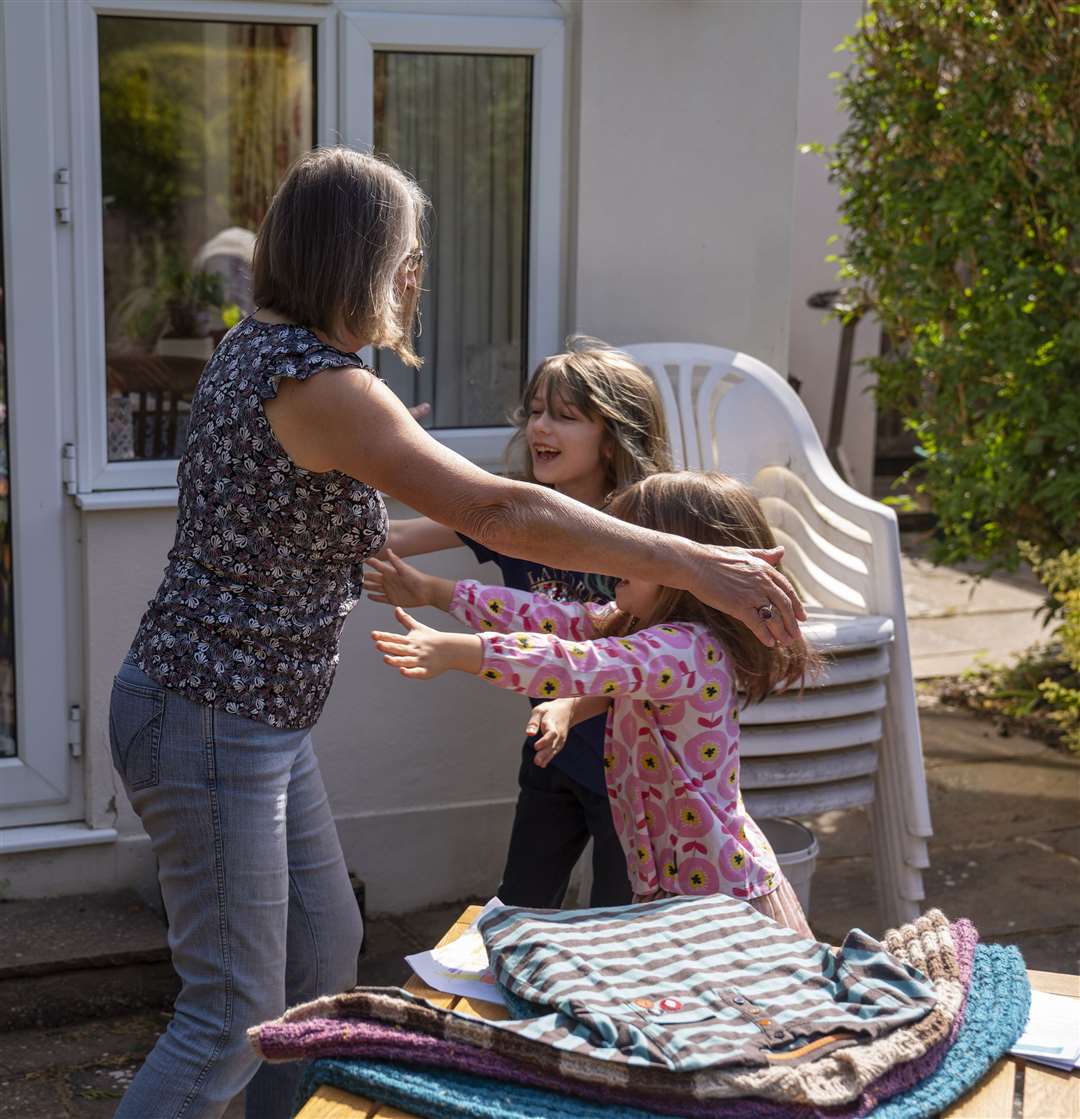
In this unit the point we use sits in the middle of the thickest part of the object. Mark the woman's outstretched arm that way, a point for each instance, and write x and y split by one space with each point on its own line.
347 420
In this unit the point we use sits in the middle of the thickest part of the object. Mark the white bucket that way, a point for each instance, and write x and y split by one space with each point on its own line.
796 851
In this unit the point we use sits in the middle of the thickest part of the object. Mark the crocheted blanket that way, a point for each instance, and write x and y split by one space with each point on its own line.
836 1078
997 1008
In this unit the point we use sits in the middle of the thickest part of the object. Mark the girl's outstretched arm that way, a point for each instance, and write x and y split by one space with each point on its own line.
418 536
505 610
663 663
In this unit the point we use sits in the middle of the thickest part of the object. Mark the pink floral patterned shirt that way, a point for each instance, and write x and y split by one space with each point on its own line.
671 747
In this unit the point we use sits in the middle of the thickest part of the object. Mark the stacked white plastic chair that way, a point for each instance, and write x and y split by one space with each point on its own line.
851 738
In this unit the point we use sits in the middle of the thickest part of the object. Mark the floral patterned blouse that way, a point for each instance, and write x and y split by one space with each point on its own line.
268 556
671 746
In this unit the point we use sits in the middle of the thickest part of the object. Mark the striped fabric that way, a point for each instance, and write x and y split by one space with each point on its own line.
691 983
835 1078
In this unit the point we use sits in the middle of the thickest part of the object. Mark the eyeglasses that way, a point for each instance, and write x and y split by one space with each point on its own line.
414 260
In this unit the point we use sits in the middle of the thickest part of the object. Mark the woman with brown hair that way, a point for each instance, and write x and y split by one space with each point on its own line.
291 439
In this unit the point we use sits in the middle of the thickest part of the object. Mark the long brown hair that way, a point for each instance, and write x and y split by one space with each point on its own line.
329 251
607 385
711 509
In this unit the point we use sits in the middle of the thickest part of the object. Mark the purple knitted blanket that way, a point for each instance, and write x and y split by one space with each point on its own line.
363 1038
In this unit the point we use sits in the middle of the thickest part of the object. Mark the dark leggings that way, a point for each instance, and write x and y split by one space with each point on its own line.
554 819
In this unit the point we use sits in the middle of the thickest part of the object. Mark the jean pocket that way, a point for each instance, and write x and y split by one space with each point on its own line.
135 717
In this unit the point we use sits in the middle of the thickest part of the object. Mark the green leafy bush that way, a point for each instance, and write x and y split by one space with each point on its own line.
1061 577
958 173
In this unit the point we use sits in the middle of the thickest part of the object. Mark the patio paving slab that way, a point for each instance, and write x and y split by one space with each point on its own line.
115 928
955 621
1005 889
931 591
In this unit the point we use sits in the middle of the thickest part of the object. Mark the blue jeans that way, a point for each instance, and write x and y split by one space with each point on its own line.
261 913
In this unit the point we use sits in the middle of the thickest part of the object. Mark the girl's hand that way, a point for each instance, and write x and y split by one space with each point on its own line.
550 720
424 653
390 579
553 718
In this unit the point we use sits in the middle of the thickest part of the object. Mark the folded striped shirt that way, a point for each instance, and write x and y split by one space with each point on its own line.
691 983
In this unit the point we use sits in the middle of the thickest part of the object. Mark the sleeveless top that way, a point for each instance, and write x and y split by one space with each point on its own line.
268 556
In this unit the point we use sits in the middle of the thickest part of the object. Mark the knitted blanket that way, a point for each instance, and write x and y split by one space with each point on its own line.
836 1078
997 1010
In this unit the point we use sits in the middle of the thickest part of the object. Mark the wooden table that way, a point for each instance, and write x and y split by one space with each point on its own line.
1044 1093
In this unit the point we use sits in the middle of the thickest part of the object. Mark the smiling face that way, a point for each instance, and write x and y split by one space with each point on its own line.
636 597
568 449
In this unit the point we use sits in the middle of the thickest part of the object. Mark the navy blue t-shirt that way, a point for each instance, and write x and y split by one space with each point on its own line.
583 756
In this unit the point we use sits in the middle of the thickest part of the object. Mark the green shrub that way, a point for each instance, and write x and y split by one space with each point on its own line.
958 173
1061 577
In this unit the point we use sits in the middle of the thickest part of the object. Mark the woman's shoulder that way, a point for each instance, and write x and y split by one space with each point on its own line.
284 349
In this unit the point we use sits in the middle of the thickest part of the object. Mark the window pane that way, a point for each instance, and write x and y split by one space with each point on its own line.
7 606
459 124
198 122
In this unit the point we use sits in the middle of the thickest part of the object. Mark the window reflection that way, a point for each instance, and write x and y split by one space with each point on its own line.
199 120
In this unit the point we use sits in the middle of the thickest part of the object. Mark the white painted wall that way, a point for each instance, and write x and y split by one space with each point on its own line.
421 775
815 341
685 174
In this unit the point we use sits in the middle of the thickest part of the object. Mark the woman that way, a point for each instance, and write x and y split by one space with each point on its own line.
291 439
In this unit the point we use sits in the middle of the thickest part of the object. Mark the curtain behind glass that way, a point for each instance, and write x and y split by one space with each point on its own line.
460 125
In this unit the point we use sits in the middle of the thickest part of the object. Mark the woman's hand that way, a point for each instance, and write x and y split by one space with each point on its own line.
746 584
387 578
424 653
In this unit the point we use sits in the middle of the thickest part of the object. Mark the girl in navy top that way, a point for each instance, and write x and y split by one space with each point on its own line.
590 423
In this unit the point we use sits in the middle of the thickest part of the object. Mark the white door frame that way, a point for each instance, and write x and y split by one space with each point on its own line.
43 783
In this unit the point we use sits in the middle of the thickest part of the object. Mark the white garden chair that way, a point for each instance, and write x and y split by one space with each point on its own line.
852 738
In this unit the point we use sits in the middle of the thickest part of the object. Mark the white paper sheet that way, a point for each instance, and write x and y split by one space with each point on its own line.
1052 1033
461 967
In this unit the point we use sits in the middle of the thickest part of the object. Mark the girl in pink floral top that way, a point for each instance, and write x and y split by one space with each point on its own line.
670 669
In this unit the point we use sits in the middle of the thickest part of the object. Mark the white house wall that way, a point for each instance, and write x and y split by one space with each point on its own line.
421 776
685 173
814 340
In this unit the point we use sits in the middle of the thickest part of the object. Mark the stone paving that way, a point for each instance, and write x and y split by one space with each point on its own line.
1005 851
955 620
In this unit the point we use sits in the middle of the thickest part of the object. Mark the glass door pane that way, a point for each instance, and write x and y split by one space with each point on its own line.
199 120
8 748
460 124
